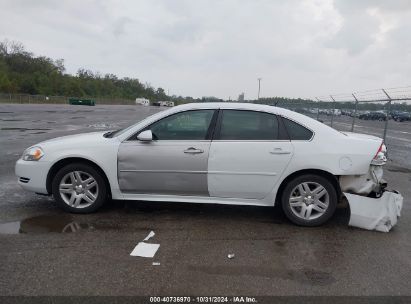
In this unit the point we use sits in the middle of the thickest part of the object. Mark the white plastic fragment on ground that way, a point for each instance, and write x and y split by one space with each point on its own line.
156 264
379 214
231 256
149 236
146 250
10 228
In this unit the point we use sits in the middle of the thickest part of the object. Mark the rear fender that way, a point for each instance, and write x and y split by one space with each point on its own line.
364 184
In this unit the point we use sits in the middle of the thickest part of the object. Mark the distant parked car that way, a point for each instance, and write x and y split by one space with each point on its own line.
346 112
166 103
401 116
373 116
335 112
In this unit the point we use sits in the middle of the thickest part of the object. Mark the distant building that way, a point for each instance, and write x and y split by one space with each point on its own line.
241 97
143 101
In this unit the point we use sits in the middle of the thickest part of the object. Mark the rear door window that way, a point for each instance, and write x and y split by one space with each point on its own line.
248 125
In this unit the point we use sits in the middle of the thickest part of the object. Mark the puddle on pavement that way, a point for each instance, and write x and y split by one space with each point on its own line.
50 223
103 126
82 111
66 223
399 169
22 129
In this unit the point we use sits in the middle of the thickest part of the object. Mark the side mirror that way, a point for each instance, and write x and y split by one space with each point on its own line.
145 136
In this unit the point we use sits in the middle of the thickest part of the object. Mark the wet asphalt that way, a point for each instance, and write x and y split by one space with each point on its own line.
44 251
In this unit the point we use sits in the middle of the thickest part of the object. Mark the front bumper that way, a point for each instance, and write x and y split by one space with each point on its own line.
32 175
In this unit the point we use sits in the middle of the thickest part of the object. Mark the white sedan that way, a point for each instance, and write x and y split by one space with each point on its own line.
225 153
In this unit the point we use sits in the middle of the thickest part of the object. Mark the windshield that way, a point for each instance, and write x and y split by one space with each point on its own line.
119 132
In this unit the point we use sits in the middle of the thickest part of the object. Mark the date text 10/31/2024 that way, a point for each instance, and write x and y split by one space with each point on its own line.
204 299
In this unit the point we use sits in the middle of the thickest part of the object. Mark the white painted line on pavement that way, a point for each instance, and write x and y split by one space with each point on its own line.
380 135
369 127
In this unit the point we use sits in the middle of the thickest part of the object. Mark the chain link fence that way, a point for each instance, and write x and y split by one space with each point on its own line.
374 111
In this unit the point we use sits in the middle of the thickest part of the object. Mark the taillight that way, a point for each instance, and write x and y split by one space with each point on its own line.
380 157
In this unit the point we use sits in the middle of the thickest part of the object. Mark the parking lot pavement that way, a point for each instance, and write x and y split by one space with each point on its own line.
44 251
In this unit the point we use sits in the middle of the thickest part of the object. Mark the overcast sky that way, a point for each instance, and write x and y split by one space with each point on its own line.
220 48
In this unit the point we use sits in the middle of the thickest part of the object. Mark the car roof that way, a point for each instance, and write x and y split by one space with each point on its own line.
304 120
233 105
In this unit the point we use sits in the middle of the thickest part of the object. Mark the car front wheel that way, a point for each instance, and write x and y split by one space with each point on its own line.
309 200
79 188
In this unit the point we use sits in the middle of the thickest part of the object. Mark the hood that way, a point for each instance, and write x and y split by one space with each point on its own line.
82 138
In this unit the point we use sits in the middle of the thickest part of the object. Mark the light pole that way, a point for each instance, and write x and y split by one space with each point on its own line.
259 86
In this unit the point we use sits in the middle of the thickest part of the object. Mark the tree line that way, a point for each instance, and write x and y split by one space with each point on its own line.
21 72
24 73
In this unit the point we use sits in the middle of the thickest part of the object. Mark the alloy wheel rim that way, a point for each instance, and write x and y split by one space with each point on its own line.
309 200
78 189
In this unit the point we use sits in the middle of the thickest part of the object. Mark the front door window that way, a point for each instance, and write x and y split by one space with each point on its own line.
189 125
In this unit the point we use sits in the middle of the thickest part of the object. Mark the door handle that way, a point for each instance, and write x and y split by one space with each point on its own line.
279 151
193 150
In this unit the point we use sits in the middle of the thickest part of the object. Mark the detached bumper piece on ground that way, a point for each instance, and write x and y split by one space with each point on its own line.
379 214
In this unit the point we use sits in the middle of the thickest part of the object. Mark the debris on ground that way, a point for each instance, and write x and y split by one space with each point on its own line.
146 250
149 236
379 214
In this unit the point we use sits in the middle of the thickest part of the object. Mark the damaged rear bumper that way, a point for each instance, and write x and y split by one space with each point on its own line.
379 214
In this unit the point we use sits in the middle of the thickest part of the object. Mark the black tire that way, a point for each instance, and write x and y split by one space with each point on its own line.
314 179
101 193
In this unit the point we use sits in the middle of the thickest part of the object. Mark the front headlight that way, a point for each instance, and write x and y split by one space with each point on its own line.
33 154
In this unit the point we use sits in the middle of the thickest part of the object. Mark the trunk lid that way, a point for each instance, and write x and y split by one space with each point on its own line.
362 136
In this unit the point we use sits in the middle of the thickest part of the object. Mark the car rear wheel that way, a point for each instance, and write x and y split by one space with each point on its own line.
309 200
79 188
